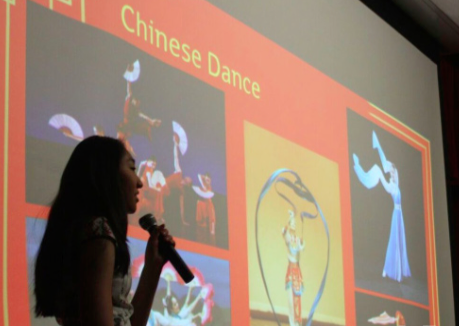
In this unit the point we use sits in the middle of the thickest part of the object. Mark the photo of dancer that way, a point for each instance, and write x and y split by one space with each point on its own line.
205 209
294 233
294 278
388 217
157 187
158 111
396 266
134 121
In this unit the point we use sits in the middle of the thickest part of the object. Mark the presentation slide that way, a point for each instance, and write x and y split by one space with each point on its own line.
293 199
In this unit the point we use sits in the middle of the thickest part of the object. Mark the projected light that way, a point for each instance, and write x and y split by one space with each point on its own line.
294 199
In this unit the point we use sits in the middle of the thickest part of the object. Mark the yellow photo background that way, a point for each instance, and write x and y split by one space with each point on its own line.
265 153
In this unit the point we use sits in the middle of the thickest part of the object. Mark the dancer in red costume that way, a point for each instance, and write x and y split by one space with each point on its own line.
151 197
293 278
205 210
134 121
176 179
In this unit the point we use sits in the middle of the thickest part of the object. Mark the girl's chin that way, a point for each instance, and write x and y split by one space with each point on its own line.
132 211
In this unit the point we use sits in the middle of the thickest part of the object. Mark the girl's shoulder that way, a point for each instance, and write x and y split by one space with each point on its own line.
97 227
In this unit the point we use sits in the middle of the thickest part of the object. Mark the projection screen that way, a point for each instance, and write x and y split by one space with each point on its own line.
293 149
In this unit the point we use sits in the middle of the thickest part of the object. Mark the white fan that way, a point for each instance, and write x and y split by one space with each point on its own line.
67 125
131 75
157 178
168 273
202 193
183 139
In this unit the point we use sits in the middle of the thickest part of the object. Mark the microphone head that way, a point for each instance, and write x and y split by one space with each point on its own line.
148 221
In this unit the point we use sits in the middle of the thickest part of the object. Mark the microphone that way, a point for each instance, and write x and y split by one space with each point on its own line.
148 223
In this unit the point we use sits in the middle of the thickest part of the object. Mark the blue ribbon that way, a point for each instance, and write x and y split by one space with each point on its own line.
303 192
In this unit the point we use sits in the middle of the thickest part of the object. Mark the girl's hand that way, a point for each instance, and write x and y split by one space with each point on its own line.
152 252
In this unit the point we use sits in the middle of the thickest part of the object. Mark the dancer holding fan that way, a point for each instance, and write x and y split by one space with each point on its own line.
176 179
134 121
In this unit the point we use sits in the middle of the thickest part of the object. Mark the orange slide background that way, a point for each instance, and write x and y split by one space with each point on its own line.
297 103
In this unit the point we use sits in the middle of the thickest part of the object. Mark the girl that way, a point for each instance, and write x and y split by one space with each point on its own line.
82 272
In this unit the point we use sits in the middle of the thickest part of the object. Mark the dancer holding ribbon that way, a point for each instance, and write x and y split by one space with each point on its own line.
396 266
293 279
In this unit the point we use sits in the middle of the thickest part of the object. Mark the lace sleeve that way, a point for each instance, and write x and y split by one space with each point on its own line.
97 228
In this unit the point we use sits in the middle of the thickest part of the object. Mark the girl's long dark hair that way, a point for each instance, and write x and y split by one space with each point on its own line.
90 187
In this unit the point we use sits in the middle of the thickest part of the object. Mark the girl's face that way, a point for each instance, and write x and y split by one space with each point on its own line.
131 183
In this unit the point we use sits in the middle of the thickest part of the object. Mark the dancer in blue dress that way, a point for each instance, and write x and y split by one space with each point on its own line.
396 266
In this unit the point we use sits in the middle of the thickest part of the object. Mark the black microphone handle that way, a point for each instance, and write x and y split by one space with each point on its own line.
169 253
148 223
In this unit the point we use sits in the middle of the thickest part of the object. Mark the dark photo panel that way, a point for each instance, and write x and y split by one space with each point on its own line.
388 219
163 114
371 310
